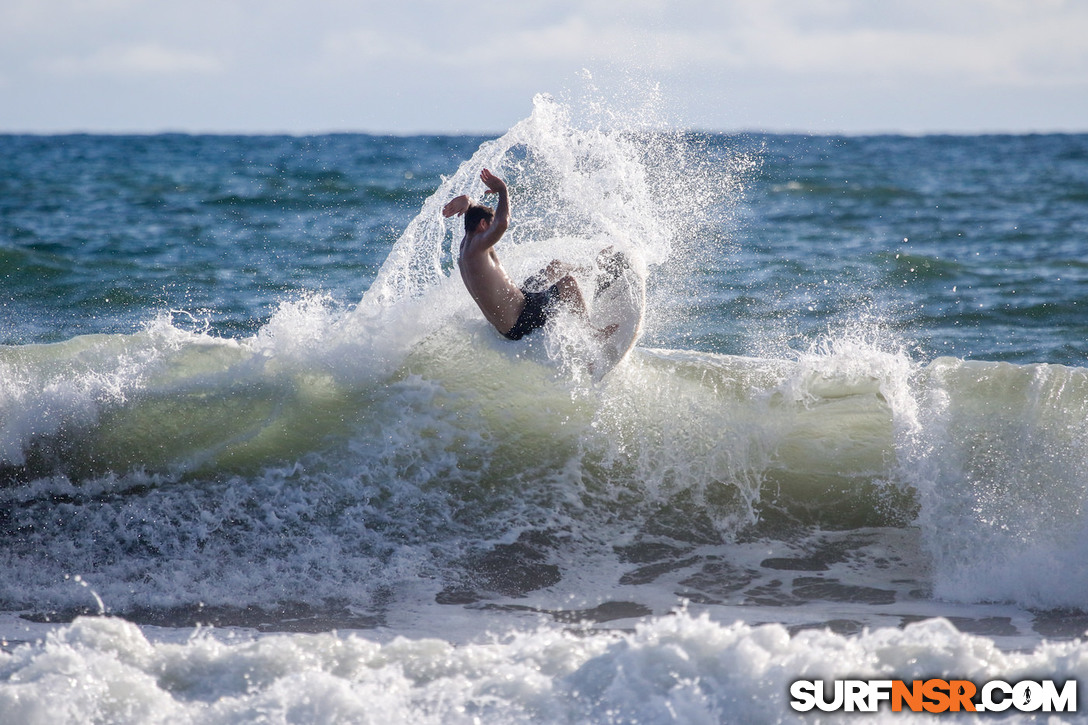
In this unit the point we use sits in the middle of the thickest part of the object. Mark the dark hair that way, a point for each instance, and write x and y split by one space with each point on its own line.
474 214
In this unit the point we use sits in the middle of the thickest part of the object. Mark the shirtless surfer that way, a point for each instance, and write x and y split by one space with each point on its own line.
514 311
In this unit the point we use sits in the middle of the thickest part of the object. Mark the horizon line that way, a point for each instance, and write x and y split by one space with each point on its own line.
786 131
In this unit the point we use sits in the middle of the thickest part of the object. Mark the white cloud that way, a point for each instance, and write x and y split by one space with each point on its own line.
143 59
375 63
978 40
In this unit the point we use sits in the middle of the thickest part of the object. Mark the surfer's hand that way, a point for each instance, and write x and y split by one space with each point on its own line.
494 184
456 206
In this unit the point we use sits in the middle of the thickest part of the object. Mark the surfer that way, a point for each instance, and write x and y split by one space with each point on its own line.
514 311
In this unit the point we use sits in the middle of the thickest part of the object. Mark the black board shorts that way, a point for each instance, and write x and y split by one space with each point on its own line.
539 306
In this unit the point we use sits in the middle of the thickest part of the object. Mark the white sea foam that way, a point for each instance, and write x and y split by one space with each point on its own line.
678 668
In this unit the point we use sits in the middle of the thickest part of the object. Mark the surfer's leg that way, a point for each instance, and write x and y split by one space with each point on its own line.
570 295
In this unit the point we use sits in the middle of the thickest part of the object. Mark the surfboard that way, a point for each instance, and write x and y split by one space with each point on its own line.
619 298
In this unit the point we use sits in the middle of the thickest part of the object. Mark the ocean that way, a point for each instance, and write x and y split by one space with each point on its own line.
262 459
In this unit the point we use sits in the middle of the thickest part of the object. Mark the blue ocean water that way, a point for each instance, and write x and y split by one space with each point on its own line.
249 414
103 231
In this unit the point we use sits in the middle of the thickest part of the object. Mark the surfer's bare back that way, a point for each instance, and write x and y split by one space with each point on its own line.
514 311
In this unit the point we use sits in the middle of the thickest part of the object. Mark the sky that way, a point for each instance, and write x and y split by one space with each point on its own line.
424 66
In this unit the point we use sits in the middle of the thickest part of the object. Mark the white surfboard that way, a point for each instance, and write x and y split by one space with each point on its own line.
619 299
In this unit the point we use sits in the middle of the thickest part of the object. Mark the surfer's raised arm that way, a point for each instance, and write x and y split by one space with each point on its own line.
499 224
497 221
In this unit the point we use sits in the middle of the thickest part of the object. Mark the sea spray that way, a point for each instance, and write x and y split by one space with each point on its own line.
1001 465
587 176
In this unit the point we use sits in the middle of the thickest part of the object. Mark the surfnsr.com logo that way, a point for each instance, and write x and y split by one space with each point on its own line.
934 696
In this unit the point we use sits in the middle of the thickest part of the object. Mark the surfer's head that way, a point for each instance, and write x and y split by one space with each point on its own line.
475 214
